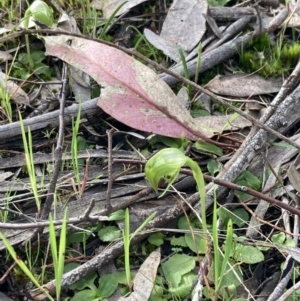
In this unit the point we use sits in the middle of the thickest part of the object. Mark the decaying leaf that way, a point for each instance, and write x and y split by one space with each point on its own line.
244 85
15 92
219 124
109 7
168 48
145 278
79 81
132 93
183 28
5 56
185 23
293 174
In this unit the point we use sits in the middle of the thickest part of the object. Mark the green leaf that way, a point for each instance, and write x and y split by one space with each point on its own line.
157 294
71 266
289 242
281 239
171 142
37 56
109 233
121 277
81 143
232 276
208 147
184 288
247 254
196 244
78 237
156 239
215 3
247 179
278 238
183 223
117 215
176 266
86 295
199 113
107 285
251 179
213 167
238 216
178 241
283 144
22 265
87 281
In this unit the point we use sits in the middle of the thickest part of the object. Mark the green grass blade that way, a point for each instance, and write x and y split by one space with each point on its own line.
228 246
61 255
22 265
108 22
216 242
126 240
198 176
143 225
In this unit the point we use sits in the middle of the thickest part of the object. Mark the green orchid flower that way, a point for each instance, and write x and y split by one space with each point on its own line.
41 12
166 164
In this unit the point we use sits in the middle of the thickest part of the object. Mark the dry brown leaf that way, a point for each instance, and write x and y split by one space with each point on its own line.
244 85
145 278
14 91
109 7
218 124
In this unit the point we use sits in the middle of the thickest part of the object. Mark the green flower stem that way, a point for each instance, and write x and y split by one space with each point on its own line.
26 25
198 176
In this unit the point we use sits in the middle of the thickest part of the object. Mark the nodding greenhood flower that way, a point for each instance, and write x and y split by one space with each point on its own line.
41 12
166 164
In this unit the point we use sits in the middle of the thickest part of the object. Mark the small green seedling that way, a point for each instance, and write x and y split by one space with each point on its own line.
58 254
127 237
28 148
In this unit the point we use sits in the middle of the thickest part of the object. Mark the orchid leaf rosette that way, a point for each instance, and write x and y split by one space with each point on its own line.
166 164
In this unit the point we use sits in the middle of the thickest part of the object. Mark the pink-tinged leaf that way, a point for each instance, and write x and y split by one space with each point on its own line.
132 93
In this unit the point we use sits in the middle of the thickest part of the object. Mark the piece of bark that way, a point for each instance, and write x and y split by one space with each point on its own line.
232 13
50 119
19 160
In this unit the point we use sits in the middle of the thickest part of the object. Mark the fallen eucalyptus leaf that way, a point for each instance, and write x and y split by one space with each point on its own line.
185 23
145 278
108 7
244 85
15 92
132 93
